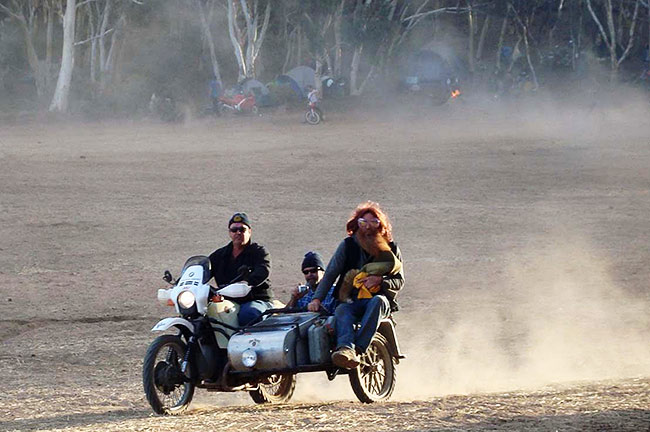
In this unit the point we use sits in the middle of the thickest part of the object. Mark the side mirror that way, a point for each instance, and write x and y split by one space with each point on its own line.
167 277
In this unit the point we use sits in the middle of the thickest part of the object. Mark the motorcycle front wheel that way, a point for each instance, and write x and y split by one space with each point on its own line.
374 379
275 389
165 386
312 117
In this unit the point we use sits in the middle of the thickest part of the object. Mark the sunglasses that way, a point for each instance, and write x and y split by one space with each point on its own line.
238 229
310 270
375 223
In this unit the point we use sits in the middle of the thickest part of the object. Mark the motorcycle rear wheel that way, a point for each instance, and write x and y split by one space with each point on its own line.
374 379
164 384
312 117
276 389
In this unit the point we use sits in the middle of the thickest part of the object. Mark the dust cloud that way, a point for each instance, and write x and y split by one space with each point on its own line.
558 318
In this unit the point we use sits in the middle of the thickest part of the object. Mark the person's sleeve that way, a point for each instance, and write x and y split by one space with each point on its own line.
392 284
330 302
214 259
332 272
261 267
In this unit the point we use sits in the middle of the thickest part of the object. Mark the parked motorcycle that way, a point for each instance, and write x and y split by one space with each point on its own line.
211 350
238 103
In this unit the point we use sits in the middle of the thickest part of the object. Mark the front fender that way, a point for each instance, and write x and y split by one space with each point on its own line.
168 323
387 330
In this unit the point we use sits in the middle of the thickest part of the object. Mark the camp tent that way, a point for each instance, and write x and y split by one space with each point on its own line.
256 87
252 85
299 78
427 66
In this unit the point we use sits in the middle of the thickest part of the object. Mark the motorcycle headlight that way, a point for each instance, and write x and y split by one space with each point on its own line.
186 299
249 358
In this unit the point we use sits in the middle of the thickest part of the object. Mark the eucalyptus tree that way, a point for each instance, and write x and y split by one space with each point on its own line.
104 18
103 23
62 91
248 22
30 15
618 16
321 21
376 29
206 10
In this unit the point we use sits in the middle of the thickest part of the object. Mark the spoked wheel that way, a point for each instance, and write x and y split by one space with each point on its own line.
374 379
255 110
312 117
165 386
275 389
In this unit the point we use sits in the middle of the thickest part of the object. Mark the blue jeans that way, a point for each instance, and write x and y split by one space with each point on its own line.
251 310
369 312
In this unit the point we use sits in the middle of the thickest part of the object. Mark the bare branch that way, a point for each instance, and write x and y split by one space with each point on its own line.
600 26
12 13
84 2
109 31
630 41
455 10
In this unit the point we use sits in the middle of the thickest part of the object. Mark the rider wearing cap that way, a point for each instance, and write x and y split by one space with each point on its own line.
228 262
313 269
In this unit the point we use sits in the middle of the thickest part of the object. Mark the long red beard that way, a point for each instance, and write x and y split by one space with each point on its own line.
373 243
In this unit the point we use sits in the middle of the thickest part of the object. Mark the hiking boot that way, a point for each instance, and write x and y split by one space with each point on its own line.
345 358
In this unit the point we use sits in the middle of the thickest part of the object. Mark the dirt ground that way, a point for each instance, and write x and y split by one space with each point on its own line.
525 234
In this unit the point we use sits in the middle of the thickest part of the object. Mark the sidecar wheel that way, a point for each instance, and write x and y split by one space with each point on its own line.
165 385
276 389
374 379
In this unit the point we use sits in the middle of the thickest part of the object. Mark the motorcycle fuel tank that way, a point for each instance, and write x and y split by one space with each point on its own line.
224 311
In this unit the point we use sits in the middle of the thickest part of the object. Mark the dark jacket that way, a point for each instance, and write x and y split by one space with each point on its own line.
225 269
349 255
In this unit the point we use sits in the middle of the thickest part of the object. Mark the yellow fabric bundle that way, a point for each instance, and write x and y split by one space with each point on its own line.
386 263
363 291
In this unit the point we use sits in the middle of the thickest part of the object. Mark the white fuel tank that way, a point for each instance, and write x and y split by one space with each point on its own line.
225 311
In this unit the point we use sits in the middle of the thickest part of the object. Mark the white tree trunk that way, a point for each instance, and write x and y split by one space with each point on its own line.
207 34
102 43
93 44
354 70
251 45
109 63
62 92
502 34
609 35
470 42
48 45
233 31
338 40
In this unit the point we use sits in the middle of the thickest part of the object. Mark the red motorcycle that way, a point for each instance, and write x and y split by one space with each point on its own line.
238 103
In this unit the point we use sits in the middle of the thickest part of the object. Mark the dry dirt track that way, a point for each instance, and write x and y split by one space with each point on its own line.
525 236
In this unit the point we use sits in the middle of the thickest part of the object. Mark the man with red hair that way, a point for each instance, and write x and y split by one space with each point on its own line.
369 240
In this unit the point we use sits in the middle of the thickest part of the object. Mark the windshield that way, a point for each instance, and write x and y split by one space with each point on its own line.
202 261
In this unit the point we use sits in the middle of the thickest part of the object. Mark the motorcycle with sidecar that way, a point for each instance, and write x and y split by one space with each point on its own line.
211 350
